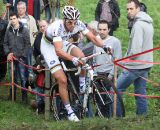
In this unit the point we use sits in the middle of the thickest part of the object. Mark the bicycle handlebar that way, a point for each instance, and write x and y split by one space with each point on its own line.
84 59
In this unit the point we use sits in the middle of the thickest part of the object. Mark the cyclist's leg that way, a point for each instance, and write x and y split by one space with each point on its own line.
75 51
62 84
55 68
53 63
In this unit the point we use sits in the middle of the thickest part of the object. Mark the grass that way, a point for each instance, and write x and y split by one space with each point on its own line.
16 116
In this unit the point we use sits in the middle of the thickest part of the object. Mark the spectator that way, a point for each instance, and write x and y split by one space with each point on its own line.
30 7
109 11
43 24
77 39
48 14
3 57
12 4
30 23
48 6
141 39
88 49
143 7
105 61
57 12
36 10
17 43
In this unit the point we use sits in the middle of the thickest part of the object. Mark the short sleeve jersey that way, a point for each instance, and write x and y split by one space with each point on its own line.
57 32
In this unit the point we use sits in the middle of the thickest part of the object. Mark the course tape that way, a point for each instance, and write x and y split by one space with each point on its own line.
126 59
111 92
3 62
135 55
138 54
133 94
150 81
140 61
30 91
31 67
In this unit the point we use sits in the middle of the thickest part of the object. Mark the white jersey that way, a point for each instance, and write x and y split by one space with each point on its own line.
57 32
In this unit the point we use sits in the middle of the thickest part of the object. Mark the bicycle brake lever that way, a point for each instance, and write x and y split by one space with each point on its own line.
78 72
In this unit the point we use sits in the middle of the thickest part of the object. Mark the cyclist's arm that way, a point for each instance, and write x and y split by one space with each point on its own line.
97 41
58 48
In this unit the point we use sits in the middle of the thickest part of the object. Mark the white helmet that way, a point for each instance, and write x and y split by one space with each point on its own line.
71 13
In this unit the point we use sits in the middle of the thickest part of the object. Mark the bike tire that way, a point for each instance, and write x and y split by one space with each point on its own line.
103 97
57 107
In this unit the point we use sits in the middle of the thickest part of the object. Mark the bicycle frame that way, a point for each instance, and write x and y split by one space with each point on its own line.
88 90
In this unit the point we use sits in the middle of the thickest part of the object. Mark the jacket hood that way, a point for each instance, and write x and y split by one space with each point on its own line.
142 16
20 27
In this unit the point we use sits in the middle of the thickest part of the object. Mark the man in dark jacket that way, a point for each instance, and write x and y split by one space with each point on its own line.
3 57
109 11
16 44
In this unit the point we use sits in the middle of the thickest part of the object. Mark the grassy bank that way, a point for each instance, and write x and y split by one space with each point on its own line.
16 116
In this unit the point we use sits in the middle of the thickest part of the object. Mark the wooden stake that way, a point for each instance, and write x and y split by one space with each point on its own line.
115 95
47 92
12 72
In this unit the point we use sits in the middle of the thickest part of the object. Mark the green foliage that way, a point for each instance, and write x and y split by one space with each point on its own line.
15 116
2 9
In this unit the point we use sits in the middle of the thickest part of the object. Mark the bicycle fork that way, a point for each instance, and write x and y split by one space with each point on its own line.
88 90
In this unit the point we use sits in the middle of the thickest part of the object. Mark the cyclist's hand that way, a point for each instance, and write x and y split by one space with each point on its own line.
108 49
76 61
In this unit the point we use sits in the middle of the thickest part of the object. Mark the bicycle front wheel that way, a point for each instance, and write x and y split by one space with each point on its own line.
57 106
103 96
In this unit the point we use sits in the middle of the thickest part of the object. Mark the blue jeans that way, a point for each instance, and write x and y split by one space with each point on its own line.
20 73
57 13
30 58
125 80
39 98
48 14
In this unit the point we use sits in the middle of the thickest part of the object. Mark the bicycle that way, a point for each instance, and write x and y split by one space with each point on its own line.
98 92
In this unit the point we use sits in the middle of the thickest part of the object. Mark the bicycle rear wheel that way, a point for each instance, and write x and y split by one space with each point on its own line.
103 96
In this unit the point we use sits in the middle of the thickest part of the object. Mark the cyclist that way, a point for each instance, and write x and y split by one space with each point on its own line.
54 44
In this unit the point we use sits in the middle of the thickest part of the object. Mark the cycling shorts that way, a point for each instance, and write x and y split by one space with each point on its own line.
50 56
